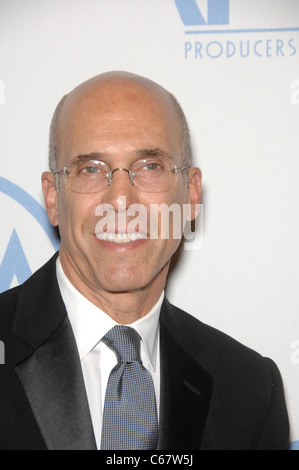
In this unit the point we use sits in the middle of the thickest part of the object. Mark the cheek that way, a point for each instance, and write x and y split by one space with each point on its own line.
167 217
76 215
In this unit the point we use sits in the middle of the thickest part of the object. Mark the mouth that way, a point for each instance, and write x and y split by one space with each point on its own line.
121 238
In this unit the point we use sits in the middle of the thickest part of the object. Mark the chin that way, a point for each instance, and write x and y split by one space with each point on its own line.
118 287
123 280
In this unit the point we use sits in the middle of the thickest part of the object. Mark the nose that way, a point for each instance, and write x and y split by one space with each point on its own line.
130 174
121 192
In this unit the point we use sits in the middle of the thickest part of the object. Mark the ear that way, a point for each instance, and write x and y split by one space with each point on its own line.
194 192
51 196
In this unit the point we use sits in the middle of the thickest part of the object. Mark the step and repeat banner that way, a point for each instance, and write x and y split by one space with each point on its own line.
234 66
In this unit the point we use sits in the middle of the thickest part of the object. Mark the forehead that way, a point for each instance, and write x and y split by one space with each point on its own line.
116 115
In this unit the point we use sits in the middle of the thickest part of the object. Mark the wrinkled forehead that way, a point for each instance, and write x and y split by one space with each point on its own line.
118 105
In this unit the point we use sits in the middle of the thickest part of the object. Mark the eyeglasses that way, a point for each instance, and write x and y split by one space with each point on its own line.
148 175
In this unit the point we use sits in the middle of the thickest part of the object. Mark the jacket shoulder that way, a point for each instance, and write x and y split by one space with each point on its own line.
9 300
8 305
248 394
219 346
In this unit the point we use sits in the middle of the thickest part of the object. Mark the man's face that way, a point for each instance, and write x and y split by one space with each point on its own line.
117 122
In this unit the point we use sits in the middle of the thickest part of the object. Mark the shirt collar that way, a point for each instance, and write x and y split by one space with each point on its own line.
90 323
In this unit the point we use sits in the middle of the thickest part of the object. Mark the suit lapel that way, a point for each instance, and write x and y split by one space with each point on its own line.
53 382
51 375
185 386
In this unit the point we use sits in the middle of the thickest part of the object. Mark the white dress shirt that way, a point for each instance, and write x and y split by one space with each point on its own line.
90 324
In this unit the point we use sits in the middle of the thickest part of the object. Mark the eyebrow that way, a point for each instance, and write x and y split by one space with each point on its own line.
154 153
87 157
140 153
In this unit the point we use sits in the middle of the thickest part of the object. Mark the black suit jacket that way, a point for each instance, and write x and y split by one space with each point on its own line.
215 393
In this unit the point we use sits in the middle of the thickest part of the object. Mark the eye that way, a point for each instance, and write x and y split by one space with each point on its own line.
90 170
152 167
93 168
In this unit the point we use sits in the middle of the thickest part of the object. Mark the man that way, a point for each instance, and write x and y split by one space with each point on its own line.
118 140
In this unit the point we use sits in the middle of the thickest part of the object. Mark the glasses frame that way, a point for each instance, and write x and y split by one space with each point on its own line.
109 175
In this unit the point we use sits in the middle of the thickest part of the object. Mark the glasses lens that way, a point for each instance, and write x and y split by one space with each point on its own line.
153 177
89 177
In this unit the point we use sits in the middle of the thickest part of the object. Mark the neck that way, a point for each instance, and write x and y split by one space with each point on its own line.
123 307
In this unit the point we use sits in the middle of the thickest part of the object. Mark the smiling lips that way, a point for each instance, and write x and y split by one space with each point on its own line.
121 238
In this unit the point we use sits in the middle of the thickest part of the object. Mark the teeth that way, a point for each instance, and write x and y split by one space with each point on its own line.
121 237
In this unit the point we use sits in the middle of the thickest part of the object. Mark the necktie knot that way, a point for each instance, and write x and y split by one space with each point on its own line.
125 341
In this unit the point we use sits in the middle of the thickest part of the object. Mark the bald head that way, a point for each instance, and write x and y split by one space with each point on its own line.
116 93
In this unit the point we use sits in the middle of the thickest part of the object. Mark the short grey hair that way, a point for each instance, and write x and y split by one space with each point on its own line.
187 153
55 134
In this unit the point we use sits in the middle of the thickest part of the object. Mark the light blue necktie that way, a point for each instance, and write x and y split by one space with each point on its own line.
130 414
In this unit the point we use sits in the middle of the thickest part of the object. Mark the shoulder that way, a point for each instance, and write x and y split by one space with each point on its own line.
219 353
27 292
247 408
8 305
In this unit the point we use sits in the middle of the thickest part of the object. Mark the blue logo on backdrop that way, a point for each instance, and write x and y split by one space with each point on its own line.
294 445
15 262
218 12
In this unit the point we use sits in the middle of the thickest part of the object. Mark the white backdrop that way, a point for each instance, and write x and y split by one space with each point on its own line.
234 66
